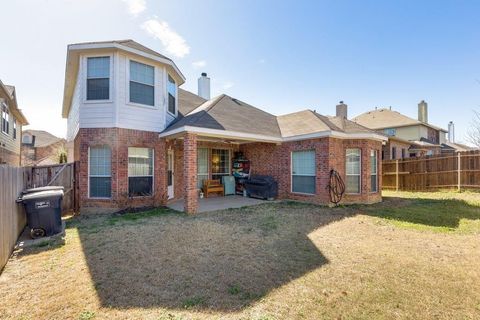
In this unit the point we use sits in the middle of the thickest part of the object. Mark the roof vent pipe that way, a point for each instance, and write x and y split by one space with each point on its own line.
342 110
423 112
451 132
204 86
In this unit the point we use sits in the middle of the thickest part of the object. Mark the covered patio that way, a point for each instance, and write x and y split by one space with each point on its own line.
218 203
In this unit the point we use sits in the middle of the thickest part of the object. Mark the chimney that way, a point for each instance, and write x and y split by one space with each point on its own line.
204 86
342 110
423 112
451 132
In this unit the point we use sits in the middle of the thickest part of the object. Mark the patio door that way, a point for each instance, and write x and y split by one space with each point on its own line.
170 174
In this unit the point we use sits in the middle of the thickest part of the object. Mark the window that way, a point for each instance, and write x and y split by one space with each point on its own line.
5 120
100 172
303 171
373 171
390 132
140 172
202 165
14 128
98 78
353 166
403 153
142 83
172 94
394 153
220 163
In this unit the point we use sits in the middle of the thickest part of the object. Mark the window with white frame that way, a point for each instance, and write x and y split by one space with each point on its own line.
373 171
100 177
14 128
303 171
98 78
202 166
220 163
5 120
140 172
172 94
353 169
142 83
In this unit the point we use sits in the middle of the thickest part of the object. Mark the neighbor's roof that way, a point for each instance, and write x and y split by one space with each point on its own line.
130 46
387 118
456 146
10 93
42 138
226 113
308 121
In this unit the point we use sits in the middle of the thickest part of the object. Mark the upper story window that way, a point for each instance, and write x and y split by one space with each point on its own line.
5 120
172 95
390 132
142 83
98 78
14 128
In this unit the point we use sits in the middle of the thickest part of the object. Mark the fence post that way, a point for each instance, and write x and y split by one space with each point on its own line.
459 171
396 175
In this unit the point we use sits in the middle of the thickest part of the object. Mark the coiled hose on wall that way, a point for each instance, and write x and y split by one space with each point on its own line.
336 187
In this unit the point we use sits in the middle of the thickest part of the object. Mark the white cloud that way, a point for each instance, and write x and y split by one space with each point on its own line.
135 7
199 64
172 41
227 85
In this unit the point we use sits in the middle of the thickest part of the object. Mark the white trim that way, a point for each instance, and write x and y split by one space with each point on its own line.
359 175
303 175
87 46
84 62
127 89
260 137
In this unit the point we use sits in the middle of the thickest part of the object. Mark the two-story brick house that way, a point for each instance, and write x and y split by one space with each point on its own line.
12 121
141 140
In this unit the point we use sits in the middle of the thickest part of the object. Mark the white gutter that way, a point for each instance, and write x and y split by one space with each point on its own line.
265 138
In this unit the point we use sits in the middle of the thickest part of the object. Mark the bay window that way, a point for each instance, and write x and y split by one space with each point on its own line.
98 78
303 171
140 172
172 95
14 128
142 83
373 171
99 168
353 169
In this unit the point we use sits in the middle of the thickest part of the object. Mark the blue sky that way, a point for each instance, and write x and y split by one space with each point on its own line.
281 57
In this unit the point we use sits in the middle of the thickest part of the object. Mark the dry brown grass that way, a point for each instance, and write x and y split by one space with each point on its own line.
274 261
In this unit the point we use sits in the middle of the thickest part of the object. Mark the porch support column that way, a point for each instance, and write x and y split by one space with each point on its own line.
190 173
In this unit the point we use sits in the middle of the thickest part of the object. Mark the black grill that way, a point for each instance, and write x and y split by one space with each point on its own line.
264 187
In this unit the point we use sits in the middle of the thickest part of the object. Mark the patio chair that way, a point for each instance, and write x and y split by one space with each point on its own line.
212 186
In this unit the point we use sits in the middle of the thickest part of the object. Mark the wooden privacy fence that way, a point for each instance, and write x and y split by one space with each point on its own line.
12 215
55 175
461 170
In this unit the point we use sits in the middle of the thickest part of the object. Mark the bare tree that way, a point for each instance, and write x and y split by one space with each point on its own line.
473 134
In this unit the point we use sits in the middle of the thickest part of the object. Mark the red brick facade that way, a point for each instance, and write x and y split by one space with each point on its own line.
266 158
118 140
9 157
275 160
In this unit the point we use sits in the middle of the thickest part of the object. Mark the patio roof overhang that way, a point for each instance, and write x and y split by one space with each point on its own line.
252 137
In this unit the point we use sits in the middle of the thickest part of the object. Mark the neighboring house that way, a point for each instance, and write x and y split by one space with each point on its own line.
408 137
41 148
12 120
141 140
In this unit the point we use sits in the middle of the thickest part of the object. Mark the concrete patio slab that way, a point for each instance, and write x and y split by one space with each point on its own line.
218 203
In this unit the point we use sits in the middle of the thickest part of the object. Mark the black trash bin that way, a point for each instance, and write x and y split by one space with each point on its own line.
44 211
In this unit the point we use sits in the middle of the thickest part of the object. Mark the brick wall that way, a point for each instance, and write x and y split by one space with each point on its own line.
275 160
9 157
118 140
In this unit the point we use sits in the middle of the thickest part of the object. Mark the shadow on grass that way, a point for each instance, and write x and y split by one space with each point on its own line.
443 214
214 261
